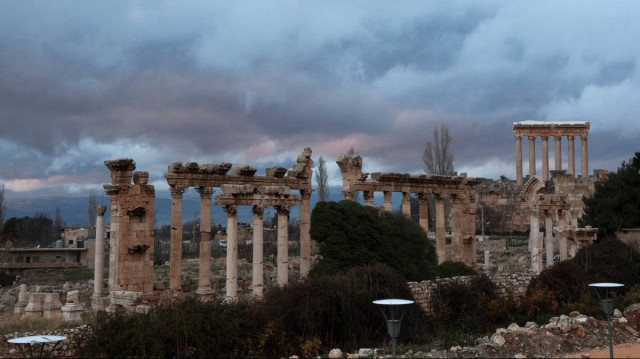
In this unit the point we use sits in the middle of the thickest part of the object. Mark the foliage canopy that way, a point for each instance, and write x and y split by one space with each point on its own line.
351 235
615 203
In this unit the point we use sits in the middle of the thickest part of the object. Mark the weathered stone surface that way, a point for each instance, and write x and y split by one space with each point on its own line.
497 341
335 353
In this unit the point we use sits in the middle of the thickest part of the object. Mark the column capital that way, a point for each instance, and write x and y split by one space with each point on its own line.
423 197
100 210
177 191
518 136
545 138
205 192
305 194
367 195
558 137
257 209
231 209
282 209
584 137
571 137
532 137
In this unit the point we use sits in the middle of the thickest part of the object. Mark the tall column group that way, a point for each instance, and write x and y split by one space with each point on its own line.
545 156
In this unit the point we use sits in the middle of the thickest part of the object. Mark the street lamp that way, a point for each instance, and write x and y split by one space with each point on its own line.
394 319
607 306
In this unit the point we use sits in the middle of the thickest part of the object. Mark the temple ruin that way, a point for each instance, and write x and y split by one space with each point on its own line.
241 188
132 220
460 189
544 130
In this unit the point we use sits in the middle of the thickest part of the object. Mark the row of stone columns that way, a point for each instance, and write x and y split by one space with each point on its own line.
204 284
539 244
545 156
441 244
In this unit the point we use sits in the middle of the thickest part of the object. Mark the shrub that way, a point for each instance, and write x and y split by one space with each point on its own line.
337 311
449 269
466 307
351 235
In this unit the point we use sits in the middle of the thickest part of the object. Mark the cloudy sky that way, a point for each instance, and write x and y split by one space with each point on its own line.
255 82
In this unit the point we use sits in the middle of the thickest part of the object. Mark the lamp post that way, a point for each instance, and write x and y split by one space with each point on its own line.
607 306
394 319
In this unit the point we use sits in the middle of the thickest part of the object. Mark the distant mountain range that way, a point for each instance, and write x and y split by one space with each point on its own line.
74 210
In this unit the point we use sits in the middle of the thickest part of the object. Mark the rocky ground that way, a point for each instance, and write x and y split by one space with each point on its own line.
561 337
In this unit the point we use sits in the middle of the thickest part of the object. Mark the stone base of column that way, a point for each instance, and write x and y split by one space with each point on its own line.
99 303
72 312
206 293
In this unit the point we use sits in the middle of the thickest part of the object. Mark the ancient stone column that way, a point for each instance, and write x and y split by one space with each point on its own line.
572 157
532 156
283 245
98 268
558 153
573 248
562 244
534 238
368 198
305 235
258 251
175 261
519 180
545 157
406 204
348 195
441 239
456 217
423 200
585 157
22 300
232 252
387 201
548 237
204 271
487 261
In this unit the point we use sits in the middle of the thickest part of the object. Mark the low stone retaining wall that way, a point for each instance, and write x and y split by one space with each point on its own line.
425 291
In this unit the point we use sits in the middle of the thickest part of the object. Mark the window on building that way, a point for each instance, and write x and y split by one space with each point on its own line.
36 259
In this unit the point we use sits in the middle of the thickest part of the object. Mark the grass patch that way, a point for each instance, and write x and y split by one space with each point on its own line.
77 274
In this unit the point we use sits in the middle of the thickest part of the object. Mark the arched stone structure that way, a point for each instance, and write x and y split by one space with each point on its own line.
560 224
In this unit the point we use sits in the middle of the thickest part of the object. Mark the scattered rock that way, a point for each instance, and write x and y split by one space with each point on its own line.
335 353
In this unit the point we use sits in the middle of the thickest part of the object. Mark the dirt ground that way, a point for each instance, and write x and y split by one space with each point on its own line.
631 350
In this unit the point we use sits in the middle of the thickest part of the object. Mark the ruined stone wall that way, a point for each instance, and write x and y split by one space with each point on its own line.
425 292
507 213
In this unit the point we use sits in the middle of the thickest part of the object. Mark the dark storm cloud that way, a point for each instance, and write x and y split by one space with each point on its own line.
219 81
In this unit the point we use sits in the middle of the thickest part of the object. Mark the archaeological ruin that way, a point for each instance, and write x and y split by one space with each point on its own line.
545 208
460 189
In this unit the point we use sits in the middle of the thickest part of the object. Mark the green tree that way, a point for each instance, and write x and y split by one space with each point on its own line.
351 235
615 203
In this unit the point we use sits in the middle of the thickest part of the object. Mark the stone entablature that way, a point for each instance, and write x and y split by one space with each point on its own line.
460 189
541 128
